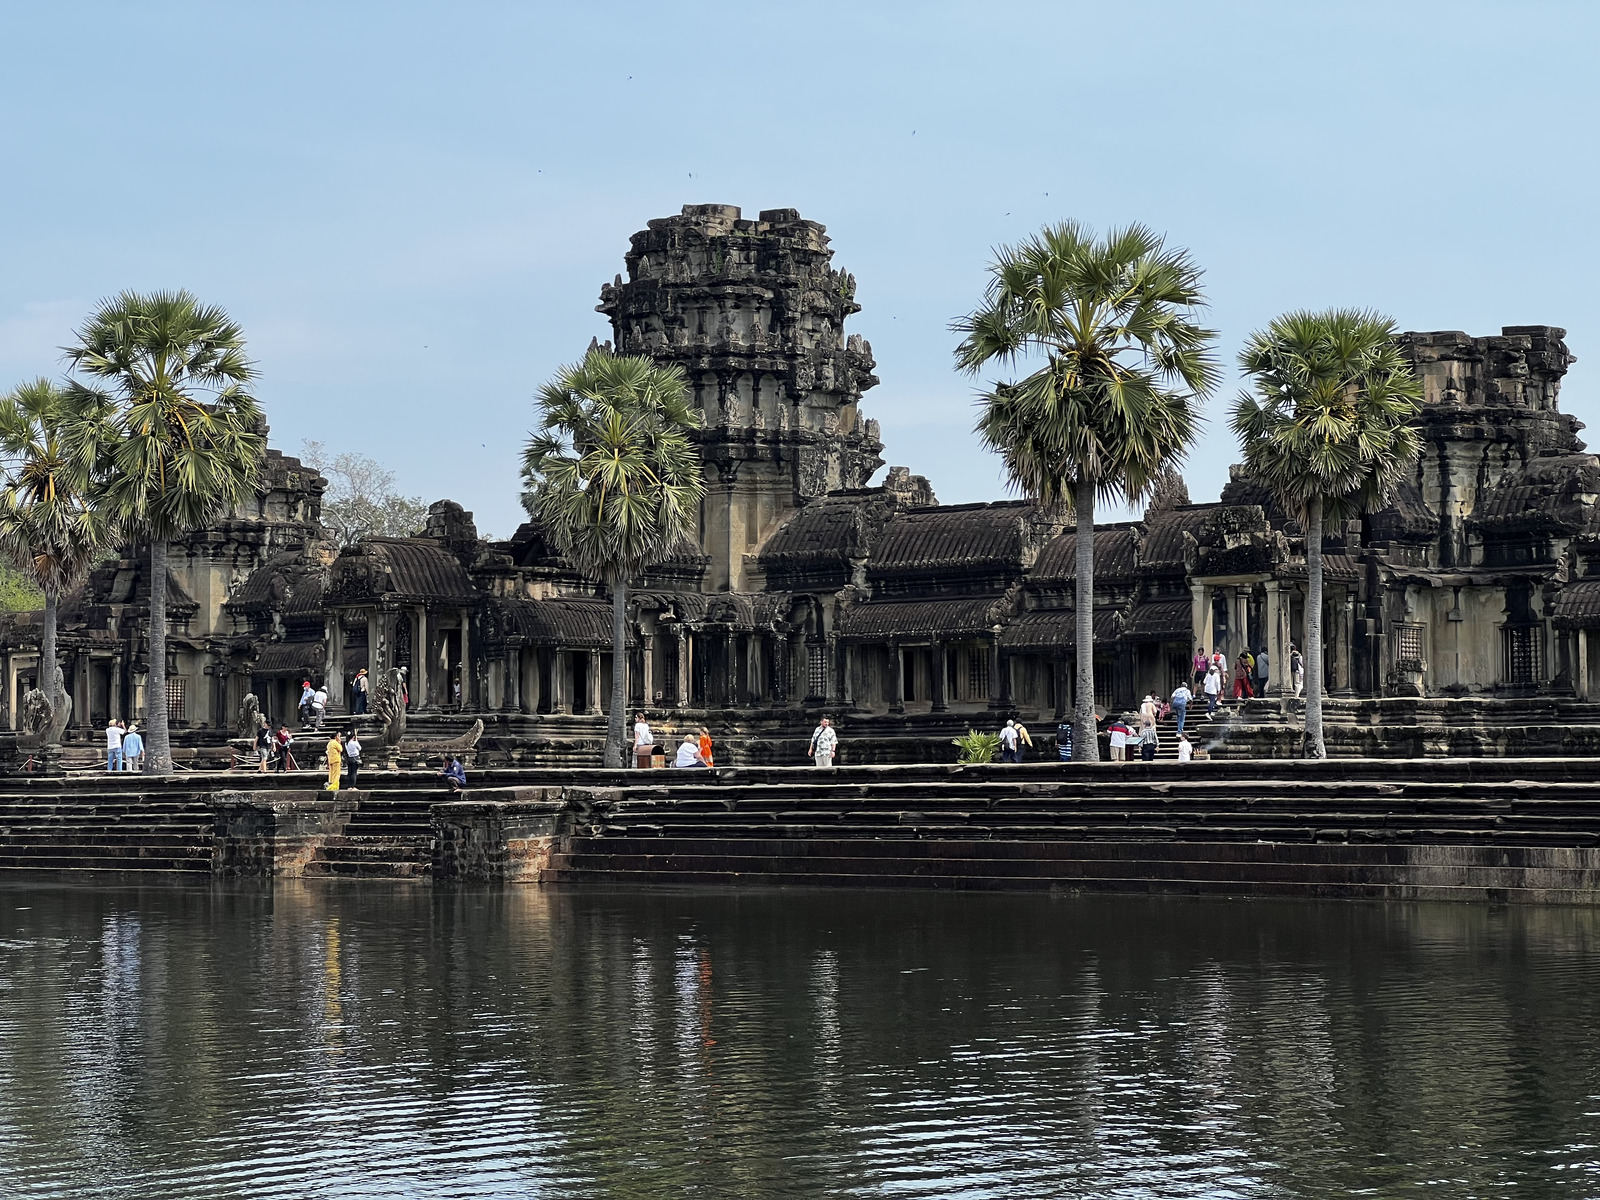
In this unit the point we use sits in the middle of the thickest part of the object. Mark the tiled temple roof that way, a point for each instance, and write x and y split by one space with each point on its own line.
402 568
303 659
1164 537
1161 621
1578 605
1115 556
880 619
574 624
973 537
1054 629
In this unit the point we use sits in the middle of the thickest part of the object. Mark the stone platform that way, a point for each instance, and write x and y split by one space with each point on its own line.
1495 830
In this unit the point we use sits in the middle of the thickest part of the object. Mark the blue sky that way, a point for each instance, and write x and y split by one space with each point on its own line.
411 207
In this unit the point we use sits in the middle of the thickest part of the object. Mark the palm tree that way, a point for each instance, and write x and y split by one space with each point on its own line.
49 525
177 434
1328 427
1124 362
612 477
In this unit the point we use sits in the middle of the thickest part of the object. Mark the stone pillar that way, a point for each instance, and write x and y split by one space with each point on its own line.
897 678
682 699
1241 617
560 681
420 666
839 670
469 675
333 667
81 689
999 692
1277 648
782 667
730 670
594 680
113 697
511 683
1347 629
940 678
846 681
1202 615
647 654
1580 681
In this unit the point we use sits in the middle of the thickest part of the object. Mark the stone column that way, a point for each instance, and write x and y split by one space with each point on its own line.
594 680
560 683
511 683
469 675
999 688
419 662
1347 629
1580 681
1241 616
897 679
114 692
1277 648
1202 615
682 698
940 678
374 662
647 654
81 689
839 670
730 670
846 682
333 667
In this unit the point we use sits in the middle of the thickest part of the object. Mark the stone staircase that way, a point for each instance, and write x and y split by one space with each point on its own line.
106 830
1417 830
389 835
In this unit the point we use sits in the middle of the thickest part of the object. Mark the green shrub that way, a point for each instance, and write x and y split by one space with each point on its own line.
976 747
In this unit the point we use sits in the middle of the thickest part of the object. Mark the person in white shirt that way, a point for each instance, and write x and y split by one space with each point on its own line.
1119 740
689 752
113 746
824 740
1185 748
319 705
1213 690
1181 695
644 742
1008 743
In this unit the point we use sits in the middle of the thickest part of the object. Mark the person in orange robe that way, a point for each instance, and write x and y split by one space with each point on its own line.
705 745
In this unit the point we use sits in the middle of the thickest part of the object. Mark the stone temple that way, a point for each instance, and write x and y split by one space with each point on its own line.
1458 619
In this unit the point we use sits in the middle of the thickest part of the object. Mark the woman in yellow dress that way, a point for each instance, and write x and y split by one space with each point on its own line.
335 761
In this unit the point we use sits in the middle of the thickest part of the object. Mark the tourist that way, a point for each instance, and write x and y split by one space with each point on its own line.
1181 695
1149 740
1202 663
1023 740
319 706
306 692
352 757
283 741
689 752
361 686
335 752
1297 668
1241 678
824 741
1149 710
644 742
113 745
1213 690
132 749
454 775
1185 748
1261 672
1008 743
263 742
1064 741
1119 740
705 746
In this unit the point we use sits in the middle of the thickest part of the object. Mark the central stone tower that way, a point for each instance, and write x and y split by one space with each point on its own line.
754 313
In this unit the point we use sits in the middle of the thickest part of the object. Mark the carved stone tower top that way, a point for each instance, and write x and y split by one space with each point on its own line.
754 313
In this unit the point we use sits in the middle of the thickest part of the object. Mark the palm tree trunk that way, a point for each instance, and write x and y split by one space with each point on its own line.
1085 739
616 723
157 738
47 659
1314 747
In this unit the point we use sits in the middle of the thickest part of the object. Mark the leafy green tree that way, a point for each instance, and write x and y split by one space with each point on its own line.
1123 363
49 525
611 475
178 439
1327 425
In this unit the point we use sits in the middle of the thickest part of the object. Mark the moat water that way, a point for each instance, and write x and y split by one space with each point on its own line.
309 1041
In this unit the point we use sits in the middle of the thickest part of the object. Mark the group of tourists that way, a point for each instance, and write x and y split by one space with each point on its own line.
695 750
1250 675
124 747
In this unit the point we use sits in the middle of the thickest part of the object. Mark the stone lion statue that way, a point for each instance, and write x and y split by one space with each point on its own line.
39 725
249 716
389 705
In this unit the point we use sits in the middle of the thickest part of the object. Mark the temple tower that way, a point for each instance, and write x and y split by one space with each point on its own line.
1489 407
754 313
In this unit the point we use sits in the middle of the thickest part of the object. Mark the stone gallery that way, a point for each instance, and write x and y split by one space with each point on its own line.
1457 619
